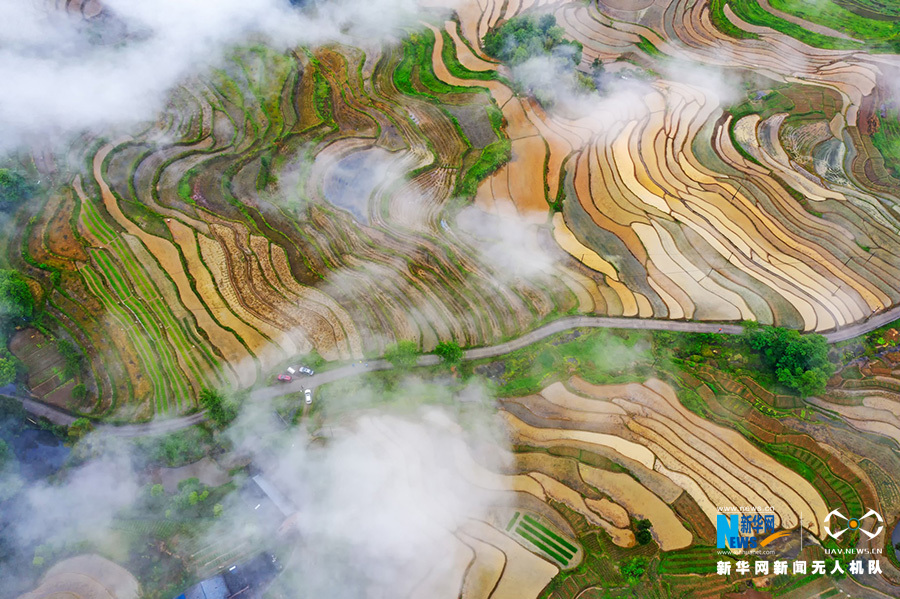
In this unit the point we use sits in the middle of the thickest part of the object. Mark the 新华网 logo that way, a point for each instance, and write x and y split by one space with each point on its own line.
746 531
834 519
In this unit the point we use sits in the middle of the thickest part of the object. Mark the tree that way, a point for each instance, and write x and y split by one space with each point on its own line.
634 569
800 362
79 391
402 354
157 490
526 36
643 534
449 351
219 408
217 510
80 428
14 189
8 370
72 356
16 301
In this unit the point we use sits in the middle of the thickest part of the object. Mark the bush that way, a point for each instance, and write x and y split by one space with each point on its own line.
634 569
73 358
402 354
449 351
220 409
79 391
80 428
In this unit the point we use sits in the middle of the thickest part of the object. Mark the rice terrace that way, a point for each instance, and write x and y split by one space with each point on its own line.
490 299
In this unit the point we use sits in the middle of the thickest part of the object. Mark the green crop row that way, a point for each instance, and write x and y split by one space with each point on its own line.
836 17
149 326
546 531
721 22
416 62
492 157
751 12
456 68
141 345
148 292
812 467
557 547
539 543
95 224
143 317
887 140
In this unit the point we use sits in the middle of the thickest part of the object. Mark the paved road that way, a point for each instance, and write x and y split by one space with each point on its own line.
861 328
54 415
491 351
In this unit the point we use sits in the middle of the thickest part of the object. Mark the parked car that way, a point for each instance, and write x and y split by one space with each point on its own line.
305 370
285 378
308 394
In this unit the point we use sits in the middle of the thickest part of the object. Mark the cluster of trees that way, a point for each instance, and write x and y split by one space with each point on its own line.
17 307
404 355
527 36
190 500
642 527
544 61
178 448
220 408
14 189
800 362
634 569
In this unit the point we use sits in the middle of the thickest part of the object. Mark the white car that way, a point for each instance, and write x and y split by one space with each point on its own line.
307 393
305 370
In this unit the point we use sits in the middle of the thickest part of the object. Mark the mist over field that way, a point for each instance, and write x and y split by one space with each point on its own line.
62 74
377 492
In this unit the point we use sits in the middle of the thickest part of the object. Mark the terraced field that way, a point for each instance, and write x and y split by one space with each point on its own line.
335 200
590 461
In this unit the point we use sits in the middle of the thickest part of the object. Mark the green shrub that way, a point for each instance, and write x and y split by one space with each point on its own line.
220 409
634 569
449 351
403 354
79 391
80 428
492 157
72 357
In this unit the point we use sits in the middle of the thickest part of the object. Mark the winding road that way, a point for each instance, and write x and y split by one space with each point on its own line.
491 351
